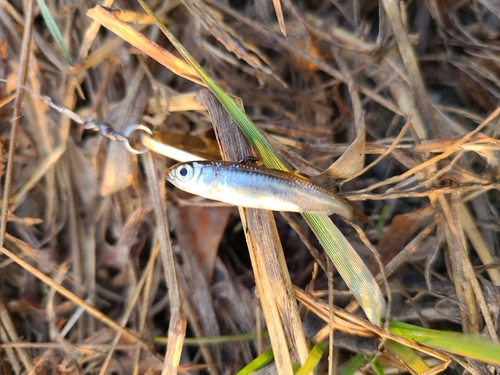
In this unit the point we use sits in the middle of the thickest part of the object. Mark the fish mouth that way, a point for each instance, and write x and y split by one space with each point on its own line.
170 170
169 174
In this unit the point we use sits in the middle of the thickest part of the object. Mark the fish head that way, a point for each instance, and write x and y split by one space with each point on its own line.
184 175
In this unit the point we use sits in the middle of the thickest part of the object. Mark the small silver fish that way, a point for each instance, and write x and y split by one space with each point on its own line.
256 187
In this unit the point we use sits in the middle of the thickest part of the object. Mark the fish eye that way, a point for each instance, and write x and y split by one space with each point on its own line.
185 172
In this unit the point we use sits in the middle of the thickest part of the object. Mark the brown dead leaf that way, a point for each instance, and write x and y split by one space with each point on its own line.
402 228
205 227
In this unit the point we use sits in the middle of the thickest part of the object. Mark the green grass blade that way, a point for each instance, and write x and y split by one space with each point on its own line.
470 346
350 266
258 363
54 30
56 34
354 365
408 356
354 271
379 370
314 357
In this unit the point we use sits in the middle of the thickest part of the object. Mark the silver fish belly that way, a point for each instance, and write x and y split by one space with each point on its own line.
256 187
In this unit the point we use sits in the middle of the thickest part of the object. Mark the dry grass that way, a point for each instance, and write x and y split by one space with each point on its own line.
394 105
